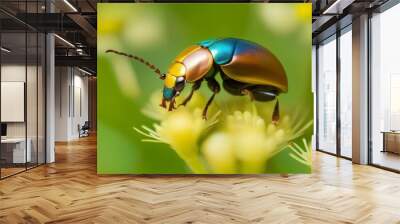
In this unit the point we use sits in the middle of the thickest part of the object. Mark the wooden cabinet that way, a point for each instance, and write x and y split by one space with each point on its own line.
391 142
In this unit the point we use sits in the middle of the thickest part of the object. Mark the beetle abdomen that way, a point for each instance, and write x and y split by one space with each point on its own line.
247 62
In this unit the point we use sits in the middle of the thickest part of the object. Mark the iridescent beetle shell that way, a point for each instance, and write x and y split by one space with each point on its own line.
239 59
245 68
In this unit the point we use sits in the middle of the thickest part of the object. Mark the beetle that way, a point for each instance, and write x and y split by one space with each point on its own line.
246 68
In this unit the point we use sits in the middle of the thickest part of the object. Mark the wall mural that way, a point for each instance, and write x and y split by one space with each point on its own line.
204 88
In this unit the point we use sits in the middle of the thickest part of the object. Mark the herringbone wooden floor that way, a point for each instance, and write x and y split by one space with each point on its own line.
69 191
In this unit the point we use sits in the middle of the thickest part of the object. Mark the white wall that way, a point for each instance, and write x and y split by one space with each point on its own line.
13 72
80 110
62 82
71 102
16 73
13 101
33 126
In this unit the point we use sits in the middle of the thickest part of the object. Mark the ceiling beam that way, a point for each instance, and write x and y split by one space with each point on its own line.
49 22
84 24
320 22
337 7
78 61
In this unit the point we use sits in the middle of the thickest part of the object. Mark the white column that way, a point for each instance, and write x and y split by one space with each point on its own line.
50 99
314 91
360 90
62 103
50 92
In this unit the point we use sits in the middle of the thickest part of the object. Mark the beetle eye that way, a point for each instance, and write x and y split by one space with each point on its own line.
179 83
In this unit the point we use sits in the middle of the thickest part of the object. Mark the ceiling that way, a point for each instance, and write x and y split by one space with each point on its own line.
76 22
332 15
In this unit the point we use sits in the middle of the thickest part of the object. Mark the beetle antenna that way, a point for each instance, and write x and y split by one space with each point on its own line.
148 64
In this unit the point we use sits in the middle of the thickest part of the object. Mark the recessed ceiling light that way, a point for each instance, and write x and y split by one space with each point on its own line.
337 7
5 50
70 5
64 40
84 71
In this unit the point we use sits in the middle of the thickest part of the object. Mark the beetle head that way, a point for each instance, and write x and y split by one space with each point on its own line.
174 83
173 86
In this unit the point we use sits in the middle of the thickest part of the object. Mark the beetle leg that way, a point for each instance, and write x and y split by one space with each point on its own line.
195 87
248 92
188 98
207 105
163 103
215 88
171 104
275 114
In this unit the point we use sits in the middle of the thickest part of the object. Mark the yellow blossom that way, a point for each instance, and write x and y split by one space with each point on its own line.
302 155
251 143
240 141
153 109
218 151
181 129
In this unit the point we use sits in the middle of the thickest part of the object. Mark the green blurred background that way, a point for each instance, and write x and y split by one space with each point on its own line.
158 33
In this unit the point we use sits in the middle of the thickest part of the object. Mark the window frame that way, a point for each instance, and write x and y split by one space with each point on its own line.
337 35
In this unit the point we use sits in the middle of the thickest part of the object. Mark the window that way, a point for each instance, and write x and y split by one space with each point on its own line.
327 95
346 93
335 74
22 78
385 89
